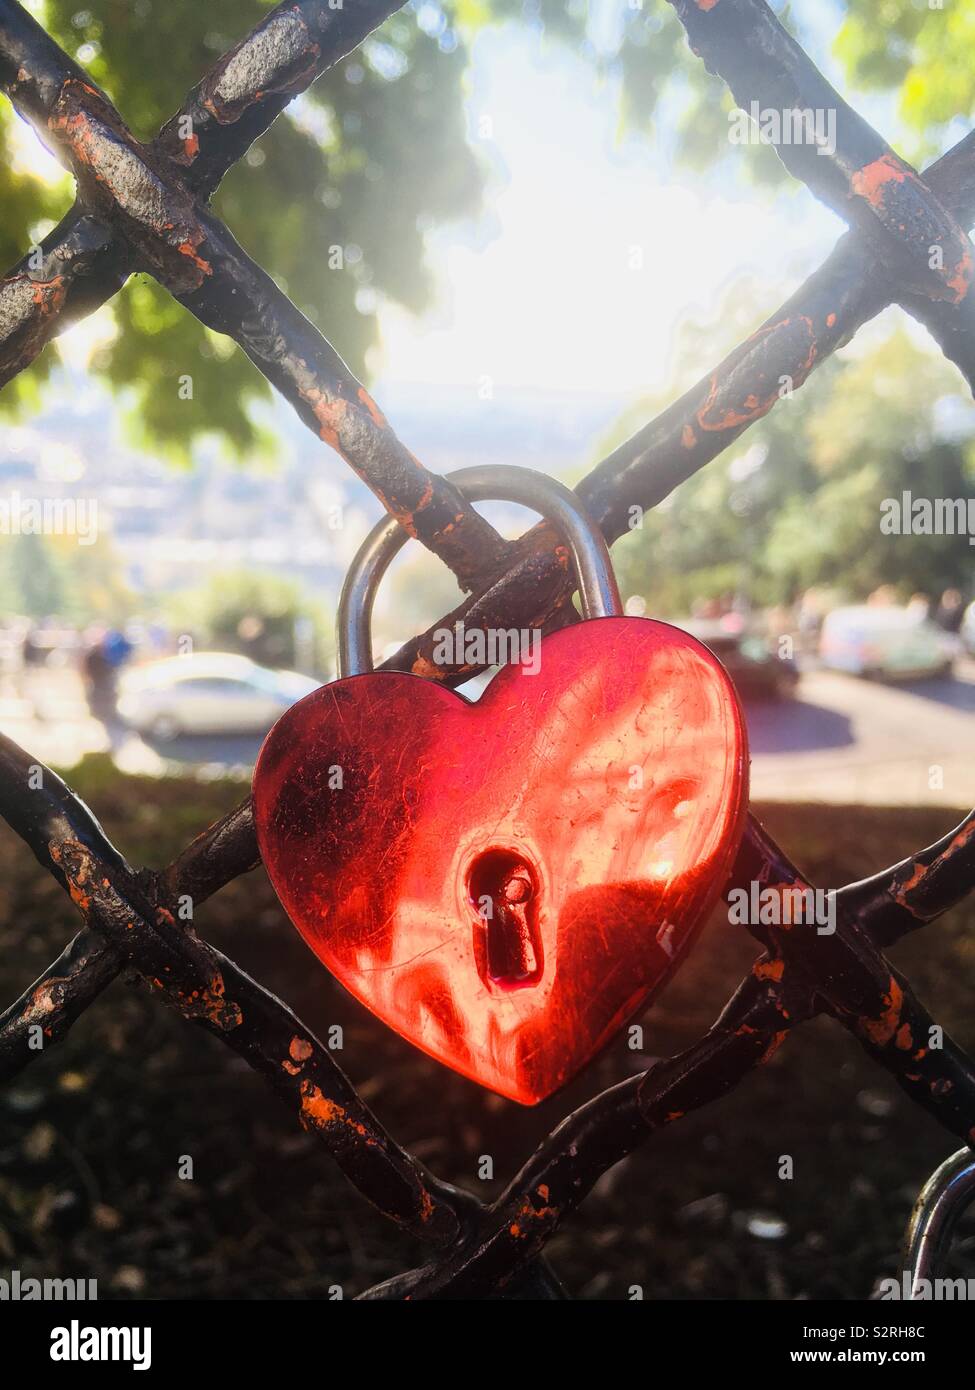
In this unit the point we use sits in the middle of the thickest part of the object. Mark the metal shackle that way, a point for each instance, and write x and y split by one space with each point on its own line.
944 1198
598 592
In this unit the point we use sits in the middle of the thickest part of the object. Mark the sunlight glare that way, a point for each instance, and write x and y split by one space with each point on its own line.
77 346
29 156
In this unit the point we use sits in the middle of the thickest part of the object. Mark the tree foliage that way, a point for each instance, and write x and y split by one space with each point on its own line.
921 50
372 154
376 152
264 616
798 502
43 576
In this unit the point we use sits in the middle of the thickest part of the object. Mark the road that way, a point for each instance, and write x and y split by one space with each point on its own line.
856 742
840 740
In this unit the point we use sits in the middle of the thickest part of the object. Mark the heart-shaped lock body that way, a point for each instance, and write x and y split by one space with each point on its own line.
506 882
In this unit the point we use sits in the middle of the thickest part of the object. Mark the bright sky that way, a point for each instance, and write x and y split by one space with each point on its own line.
591 248
550 291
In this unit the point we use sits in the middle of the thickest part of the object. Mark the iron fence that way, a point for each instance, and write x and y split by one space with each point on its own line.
145 207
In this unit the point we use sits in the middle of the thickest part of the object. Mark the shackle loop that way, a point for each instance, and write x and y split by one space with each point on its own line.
593 568
943 1200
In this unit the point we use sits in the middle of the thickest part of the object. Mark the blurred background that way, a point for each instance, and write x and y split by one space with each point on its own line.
525 227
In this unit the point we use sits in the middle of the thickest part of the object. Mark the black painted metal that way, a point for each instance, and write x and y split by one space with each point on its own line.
143 207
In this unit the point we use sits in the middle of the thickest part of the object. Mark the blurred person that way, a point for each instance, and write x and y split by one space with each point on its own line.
33 658
810 611
950 611
99 675
117 648
33 651
919 606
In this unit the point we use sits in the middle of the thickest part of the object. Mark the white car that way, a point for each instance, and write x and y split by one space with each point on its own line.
207 693
885 641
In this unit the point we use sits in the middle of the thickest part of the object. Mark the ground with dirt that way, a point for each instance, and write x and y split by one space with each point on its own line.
91 1135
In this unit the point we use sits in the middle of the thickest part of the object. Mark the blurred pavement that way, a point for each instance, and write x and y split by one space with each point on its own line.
849 741
841 740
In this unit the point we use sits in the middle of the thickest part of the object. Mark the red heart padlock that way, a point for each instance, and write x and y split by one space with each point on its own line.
506 882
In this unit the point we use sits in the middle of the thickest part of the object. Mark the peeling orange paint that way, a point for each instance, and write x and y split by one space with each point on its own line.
769 969
871 181
687 437
777 1040
317 1109
919 870
211 1003
917 873
426 497
43 1000
961 280
48 295
330 414
880 1030
529 1213
77 880
188 249
378 418
754 407
423 667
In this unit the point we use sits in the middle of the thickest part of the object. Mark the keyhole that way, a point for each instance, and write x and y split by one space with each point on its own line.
503 889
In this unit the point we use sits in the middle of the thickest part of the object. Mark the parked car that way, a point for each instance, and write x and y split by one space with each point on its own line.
757 670
885 641
206 693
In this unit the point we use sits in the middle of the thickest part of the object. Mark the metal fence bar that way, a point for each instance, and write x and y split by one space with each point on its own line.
142 207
